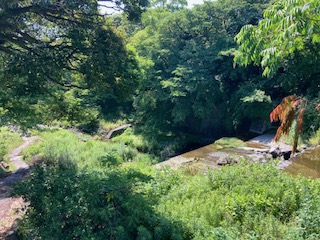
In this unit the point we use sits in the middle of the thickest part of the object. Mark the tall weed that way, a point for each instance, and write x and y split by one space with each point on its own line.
244 201
62 145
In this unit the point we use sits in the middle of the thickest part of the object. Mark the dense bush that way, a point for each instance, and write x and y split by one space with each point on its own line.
245 201
81 191
70 204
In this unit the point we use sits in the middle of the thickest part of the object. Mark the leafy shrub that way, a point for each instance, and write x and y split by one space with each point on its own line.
70 204
244 201
62 144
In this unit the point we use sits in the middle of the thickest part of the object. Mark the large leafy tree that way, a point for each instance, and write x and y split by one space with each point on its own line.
187 57
29 25
171 5
48 48
287 43
288 26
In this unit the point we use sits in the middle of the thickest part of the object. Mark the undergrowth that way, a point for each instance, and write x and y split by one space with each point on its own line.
163 146
315 138
245 201
86 152
103 190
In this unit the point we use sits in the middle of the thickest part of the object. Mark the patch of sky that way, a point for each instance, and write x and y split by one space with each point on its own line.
107 7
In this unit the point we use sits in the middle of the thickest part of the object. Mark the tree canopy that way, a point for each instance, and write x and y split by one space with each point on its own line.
29 24
288 26
51 47
171 70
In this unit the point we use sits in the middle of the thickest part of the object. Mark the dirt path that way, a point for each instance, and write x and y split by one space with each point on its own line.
9 205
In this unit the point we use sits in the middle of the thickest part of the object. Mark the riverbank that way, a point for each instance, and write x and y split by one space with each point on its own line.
259 149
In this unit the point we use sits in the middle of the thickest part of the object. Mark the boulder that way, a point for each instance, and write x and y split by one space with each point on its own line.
286 155
4 165
227 160
275 152
281 151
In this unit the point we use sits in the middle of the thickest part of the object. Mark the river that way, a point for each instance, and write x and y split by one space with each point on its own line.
306 163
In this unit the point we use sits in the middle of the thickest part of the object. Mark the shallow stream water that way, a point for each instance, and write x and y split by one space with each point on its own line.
306 164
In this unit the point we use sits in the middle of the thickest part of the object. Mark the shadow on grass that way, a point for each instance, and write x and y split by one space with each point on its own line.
66 203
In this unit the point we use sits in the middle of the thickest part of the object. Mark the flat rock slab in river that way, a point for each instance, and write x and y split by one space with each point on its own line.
175 162
211 156
205 157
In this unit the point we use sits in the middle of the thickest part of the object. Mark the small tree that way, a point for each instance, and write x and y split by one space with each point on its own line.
289 110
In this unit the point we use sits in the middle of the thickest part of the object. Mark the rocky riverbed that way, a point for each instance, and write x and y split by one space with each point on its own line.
259 149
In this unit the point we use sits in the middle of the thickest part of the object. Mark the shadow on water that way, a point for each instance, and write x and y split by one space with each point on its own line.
307 164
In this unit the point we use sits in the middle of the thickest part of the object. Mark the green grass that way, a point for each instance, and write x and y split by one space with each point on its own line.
244 201
59 146
113 187
315 139
229 143
8 141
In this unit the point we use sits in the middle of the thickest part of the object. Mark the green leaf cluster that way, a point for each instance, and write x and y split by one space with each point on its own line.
246 201
62 58
288 26
187 69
